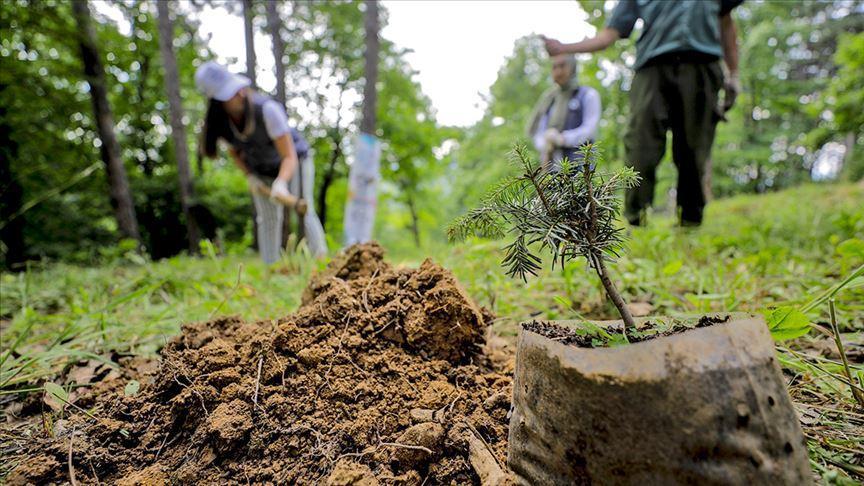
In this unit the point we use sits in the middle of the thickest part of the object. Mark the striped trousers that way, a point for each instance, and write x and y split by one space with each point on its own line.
269 215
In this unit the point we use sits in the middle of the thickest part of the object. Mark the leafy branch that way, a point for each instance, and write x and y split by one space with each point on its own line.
570 213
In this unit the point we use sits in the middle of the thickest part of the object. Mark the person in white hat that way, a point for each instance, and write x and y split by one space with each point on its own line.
261 144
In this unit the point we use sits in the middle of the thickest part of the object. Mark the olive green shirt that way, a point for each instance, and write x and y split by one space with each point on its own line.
672 26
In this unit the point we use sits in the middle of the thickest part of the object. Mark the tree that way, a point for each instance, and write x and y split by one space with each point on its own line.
332 58
370 89
274 25
570 213
11 224
249 30
178 129
407 124
121 195
844 98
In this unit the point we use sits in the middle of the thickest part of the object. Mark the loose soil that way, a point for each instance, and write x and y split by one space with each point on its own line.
645 331
380 377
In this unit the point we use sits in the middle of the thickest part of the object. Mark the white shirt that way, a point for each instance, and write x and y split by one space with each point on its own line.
275 119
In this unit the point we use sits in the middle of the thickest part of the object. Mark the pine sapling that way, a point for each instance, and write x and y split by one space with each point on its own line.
570 213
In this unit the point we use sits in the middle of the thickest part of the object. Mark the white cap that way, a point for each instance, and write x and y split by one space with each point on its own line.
216 82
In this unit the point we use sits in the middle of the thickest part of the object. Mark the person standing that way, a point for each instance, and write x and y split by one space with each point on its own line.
676 88
261 144
566 115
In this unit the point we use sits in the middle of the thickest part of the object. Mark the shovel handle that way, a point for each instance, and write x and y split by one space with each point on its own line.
297 204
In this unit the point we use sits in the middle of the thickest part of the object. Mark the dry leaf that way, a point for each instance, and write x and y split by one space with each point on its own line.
83 375
640 309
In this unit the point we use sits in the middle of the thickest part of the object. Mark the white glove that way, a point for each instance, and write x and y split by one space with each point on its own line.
279 189
553 138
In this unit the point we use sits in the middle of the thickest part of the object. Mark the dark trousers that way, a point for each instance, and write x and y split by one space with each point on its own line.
681 97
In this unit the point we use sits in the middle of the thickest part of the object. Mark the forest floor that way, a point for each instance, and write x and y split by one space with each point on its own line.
75 324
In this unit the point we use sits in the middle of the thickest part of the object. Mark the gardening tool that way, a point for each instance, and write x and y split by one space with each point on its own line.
292 202
303 183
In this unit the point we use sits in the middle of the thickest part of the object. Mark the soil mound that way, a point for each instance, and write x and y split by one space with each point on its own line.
378 378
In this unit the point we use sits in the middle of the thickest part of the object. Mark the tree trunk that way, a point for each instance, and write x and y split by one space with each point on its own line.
596 260
121 195
370 93
178 130
415 220
248 17
613 294
329 176
249 30
274 24
12 230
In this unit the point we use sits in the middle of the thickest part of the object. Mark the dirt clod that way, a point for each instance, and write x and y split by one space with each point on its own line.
322 396
418 444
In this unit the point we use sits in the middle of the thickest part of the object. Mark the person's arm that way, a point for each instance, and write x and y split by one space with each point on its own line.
289 163
729 41
602 40
591 110
620 25
276 124
539 138
238 160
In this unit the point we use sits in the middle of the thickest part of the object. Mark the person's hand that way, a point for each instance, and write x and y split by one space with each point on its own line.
731 88
553 46
553 138
279 189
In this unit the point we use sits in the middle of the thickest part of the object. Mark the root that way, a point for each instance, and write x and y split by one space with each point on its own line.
483 461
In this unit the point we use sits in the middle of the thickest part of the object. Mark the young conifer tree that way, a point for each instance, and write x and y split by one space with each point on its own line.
572 212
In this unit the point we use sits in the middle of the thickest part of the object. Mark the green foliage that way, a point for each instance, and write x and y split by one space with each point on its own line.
787 323
570 213
47 112
56 391
132 388
800 91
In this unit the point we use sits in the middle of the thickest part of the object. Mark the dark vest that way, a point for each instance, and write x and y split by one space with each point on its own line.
573 120
257 148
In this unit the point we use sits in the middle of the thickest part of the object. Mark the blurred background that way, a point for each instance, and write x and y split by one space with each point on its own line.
455 89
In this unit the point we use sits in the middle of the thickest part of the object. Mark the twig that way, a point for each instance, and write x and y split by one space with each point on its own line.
812 362
93 470
406 446
366 290
159 451
72 479
482 439
482 459
191 387
258 381
598 264
379 331
229 294
859 397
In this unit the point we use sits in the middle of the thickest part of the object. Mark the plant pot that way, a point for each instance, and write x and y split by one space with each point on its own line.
704 406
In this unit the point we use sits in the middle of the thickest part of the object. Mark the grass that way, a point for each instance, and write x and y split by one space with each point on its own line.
753 253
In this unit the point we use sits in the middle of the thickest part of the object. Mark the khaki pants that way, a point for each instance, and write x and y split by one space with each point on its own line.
681 97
